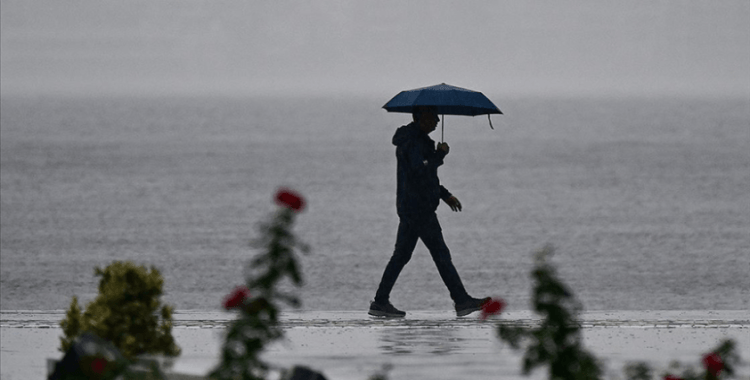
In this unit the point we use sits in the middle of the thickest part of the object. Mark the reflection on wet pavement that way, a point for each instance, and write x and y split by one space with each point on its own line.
426 344
433 341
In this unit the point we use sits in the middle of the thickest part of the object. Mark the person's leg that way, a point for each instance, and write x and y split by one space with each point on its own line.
432 236
406 240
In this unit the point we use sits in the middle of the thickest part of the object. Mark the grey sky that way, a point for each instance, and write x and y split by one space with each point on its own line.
375 47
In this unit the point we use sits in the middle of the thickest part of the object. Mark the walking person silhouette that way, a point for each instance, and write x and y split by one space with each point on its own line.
417 197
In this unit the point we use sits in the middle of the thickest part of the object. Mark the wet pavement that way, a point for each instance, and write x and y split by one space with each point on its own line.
424 345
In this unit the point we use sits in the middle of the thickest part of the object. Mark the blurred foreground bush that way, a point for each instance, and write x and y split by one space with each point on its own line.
719 363
557 342
127 312
258 301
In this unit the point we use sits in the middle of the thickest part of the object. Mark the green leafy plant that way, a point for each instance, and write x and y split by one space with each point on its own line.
258 301
93 358
127 312
557 341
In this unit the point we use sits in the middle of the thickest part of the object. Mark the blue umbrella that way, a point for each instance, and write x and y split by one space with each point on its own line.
446 99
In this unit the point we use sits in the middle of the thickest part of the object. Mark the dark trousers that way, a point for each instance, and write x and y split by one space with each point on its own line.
429 231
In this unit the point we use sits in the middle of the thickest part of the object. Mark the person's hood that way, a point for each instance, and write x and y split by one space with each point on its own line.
406 133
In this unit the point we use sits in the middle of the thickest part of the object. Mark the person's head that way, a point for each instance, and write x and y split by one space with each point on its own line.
426 118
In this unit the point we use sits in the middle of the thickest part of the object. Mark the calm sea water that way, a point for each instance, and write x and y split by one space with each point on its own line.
646 200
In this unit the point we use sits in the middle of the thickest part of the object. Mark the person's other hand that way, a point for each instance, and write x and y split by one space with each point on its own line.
454 203
444 147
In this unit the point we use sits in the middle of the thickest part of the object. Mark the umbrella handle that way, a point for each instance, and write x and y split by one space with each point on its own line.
442 128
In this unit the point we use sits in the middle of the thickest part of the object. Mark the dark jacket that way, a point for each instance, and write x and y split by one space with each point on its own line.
418 190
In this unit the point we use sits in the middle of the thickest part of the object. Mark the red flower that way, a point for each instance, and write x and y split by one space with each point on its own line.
492 307
236 298
672 377
713 363
290 199
98 365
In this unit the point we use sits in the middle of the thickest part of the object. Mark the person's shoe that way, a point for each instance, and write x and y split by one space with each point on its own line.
471 305
385 310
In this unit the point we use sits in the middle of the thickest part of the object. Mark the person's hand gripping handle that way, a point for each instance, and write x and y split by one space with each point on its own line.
444 147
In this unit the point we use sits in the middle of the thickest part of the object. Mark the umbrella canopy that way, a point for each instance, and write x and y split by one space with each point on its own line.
447 100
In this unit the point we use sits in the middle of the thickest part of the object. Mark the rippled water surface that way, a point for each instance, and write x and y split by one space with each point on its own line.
646 200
